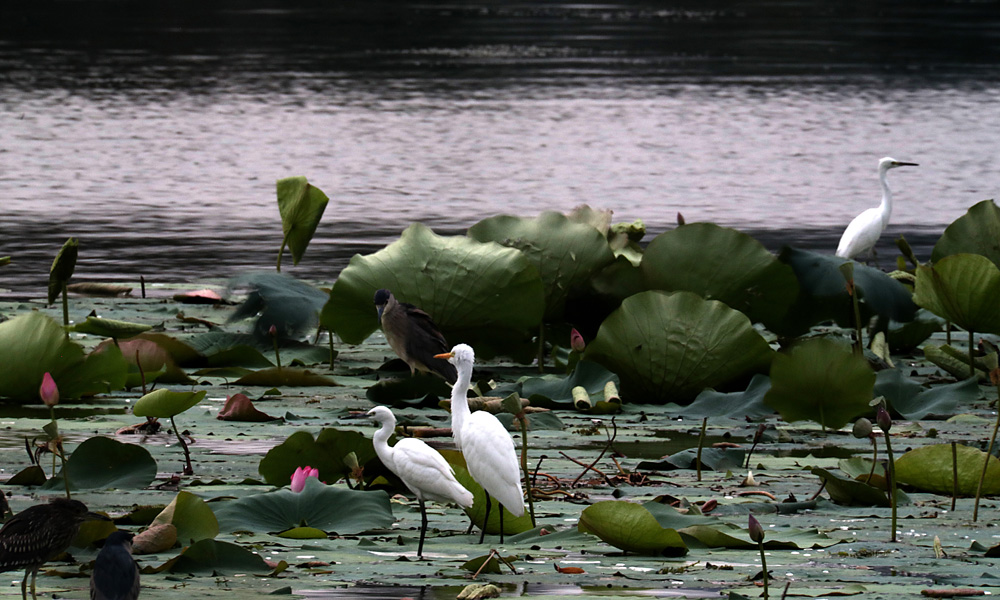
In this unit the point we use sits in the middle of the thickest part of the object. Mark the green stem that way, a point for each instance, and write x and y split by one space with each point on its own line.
284 242
188 470
763 565
541 348
954 476
332 353
524 465
986 460
701 444
859 347
972 362
891 473
65 299
61 453
874 460
277 355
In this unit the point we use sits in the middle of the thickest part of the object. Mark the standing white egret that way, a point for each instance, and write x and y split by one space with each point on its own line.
485 443
420 467
861 235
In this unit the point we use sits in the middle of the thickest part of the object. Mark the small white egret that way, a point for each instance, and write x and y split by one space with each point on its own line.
485 443
861 235
420 467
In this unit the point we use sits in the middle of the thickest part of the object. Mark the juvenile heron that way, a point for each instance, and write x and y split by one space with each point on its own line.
485 443
40 533
115 575
861 235
413 336
422 469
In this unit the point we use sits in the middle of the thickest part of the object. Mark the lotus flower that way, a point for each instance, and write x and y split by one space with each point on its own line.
755 529
300 475
49 391
576 341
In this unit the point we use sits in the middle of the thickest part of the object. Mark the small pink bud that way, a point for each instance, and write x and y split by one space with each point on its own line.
300 475
49 391
883 419
756 531
272 331
576 341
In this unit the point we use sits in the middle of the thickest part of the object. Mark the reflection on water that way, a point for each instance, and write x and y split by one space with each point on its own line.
379 592
156 137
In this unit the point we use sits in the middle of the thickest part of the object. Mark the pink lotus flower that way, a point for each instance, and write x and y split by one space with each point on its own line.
49 391
576 341
300 475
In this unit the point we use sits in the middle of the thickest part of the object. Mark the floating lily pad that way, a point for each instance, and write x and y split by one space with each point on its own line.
102 463
213 557
301 206
748 403
930 469
912 401
630 527
670 347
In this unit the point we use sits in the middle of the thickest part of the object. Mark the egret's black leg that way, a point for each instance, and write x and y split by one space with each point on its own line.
500 506
423 528
486 519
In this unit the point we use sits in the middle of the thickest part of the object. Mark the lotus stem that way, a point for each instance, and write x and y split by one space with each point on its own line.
65 304
523 418
972 361
859 347
954 475
284 242
541 348
59 450
188 469
756 532
891 476
701 444
989 451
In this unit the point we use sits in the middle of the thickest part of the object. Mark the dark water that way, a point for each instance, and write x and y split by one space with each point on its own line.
154 131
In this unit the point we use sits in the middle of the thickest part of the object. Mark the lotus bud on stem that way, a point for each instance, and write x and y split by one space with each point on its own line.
757 535
757 436
885 424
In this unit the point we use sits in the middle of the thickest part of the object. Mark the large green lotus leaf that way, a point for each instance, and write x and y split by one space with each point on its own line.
820 380
192 517
482 294
103 463
332 509
164 403
301 206
33 344
670 347
326 452
630 527
962 288
930 469
566 253
216 558
975 232
913 402
719 263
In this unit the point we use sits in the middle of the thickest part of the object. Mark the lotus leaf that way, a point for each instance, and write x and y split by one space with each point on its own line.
110 328
192 517
963 289
326 452
904 337
630 527
748 403
566 253
820 380
912 401
301 206
62 268
212 557
712 532
722 264
930 469
101 463
285 377
332 509
851 492
163 403
975 232
670 347
483 294
556 392
33 344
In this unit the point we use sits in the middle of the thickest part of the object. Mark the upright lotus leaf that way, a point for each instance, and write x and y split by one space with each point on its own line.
192 517
301 206
33 344
326 507
930 469
164 403
62 268
485 295
630 527
670 347
326 452
975 232
105 463
719 263
820 380
566 253
962 288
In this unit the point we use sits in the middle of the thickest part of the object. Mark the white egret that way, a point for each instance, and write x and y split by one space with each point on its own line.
420 467
861 235
485 443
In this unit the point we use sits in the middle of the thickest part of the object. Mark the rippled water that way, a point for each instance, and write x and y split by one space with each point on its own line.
158 140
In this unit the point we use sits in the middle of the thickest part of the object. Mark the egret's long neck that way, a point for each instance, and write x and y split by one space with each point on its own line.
381 443
885 208
460 402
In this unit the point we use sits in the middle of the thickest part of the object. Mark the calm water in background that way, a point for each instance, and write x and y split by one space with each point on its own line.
154 132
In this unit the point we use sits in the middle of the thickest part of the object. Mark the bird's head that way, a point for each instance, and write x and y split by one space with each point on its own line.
381 299
120 538
891 163
460 354
381 414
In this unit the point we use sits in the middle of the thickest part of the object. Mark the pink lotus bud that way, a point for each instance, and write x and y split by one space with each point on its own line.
272 331
756 531
49 391
576 341
883 419
300 475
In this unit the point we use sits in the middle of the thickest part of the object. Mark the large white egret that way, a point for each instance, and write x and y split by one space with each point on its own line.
485 443
420 467
861 235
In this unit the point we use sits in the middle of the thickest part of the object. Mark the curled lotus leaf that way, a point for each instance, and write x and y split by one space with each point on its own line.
670 347
301 205
479 293
963 289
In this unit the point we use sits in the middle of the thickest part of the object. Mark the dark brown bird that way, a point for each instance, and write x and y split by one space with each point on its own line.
40 533
413 336
115 575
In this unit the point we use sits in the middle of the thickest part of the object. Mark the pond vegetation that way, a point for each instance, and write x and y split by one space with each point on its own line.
636 381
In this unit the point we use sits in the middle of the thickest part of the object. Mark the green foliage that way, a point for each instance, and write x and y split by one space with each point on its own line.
748 403
820 380
963 289
929 469
670 347
723 264
301 206
32 343
62 268
630 527
103 463
216 558
480 293
192 517
850 492
110 328
566 253
975 232
326 452
556 392
912 401
164 403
